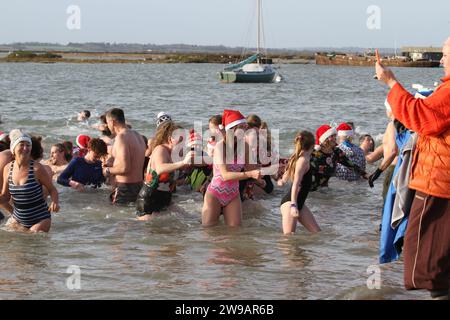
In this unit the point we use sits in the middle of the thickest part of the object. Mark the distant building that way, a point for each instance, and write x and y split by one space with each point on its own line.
422 53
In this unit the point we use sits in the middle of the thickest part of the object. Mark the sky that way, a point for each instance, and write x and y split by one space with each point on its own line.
287 23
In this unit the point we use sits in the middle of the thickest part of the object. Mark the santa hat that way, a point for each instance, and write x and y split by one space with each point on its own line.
3 136
322 134
232 118
194 139
344 130
82 141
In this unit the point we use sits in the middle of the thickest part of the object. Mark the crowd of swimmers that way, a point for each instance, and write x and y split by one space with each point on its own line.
237 161
241 160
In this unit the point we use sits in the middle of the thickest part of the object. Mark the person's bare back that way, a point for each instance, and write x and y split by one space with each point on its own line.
129 154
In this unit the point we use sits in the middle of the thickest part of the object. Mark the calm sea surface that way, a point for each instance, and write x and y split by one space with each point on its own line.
173 257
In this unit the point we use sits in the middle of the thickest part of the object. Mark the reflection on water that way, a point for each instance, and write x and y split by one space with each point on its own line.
172 256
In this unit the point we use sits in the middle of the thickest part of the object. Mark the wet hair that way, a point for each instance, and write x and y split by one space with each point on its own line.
164 132
116 114
61 147
37 152
363 137
303 141
68 149
254 121
105 132
216 120
98 146
87 113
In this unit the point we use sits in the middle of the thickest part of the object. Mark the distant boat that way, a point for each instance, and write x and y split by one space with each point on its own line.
369 61
256 68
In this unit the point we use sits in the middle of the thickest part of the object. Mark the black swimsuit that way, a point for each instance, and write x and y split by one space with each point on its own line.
303 193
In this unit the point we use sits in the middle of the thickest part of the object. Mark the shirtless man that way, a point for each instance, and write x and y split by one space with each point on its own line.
128 153
57 161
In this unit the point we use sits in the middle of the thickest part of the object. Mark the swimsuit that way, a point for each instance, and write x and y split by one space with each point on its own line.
125 193
156 193
29 204
305 186
225 191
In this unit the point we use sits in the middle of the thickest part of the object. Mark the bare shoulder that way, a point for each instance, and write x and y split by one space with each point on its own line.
5 157
120 138
390 127
7 167
301 162
38 167
159 150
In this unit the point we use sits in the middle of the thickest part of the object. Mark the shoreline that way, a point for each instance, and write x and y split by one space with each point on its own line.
144 58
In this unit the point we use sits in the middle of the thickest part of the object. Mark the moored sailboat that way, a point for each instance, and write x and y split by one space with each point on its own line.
254 69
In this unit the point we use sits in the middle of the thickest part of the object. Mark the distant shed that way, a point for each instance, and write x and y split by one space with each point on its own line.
423 53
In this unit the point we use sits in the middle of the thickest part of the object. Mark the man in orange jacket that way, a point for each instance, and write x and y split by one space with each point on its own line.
427 239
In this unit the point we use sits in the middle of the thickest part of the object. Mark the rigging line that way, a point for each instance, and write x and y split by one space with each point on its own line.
249 29
263 32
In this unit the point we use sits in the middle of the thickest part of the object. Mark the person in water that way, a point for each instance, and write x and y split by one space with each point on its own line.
197 175
390 152
128 156
229 163
23 179
84 115
58 160
256 139
354 153
216 131
160 181
299 172
326 157
87 170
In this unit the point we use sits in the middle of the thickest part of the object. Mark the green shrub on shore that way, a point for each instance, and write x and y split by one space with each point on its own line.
22 55
29 55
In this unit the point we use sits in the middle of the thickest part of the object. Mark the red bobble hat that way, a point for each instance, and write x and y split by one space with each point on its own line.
322 134
232 118
344 129
82 141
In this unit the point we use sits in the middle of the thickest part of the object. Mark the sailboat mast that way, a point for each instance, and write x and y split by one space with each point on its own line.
258 32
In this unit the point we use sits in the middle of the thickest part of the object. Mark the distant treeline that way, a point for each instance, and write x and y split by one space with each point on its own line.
140 48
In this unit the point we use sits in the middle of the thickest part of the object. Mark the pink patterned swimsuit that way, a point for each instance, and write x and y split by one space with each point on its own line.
225 191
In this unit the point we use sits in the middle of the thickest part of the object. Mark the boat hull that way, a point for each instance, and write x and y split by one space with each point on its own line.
246 77
355 61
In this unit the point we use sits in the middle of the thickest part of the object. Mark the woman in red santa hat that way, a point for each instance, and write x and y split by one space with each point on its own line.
229 161
324 161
